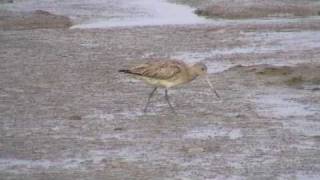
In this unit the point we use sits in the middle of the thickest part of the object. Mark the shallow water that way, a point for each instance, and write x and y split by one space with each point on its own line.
212 132
259 43
115 13
26 165
122 13
284 104
151 12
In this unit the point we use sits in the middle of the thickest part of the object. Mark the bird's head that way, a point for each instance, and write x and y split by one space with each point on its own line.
199 69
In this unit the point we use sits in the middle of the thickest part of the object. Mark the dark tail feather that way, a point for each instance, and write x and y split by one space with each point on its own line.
125 71
128 72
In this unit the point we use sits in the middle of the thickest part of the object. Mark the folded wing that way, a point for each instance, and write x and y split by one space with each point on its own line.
158 70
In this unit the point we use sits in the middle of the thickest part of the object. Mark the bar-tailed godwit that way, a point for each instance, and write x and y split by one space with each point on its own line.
167 74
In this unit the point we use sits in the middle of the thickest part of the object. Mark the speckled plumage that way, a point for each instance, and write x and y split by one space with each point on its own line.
166 74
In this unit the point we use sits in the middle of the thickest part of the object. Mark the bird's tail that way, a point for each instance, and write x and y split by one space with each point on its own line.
127 71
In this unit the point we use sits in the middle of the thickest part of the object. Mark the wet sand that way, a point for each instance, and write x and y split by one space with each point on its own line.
66 113
243 9
37 19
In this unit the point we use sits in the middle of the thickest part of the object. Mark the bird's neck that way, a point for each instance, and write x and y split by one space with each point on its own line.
193 75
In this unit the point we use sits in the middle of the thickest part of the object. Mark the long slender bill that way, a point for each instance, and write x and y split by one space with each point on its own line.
211 86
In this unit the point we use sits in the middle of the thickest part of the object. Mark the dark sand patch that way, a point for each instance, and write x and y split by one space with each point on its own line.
298 76
39 19
239 9
6 1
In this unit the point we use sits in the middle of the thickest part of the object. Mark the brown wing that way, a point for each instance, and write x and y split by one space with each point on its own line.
159 69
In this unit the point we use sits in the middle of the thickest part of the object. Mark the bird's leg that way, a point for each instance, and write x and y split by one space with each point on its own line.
211 86
168 101
149 98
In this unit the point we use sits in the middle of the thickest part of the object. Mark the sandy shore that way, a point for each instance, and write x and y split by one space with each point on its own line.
39 19
243 9
66 113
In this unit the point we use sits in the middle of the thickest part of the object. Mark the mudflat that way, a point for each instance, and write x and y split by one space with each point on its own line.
66 112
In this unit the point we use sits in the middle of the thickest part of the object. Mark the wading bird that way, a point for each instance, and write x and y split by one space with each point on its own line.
167 74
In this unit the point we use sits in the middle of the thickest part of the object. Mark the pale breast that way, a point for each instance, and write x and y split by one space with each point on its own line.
166 83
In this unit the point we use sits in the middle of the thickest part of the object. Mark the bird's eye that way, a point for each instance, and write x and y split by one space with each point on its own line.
202 69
